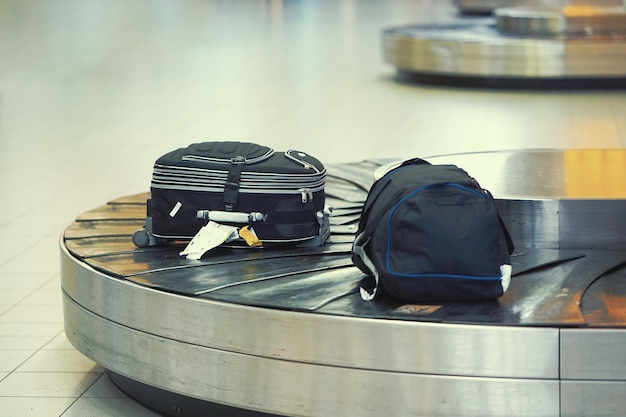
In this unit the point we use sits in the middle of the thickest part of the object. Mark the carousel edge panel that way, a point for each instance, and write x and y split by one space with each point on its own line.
593 354
285 387
464 350
603 230
531 222
583 398
171 404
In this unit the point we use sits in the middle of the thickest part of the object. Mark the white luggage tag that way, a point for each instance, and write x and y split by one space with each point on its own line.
207 238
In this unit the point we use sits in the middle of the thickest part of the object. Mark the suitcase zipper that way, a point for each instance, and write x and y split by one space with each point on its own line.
306 194
218 187
236 159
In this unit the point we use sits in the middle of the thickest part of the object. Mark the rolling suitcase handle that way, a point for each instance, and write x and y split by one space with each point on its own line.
230 216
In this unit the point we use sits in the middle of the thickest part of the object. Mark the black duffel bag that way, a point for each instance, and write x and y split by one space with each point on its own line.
430 233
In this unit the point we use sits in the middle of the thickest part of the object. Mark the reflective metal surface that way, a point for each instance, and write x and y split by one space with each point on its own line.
540 174
488 6
284 331
593 398
314 338
571 20
520 43
299 389
550 194
594 354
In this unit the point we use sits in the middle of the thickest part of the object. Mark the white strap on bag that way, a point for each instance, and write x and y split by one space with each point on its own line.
358 249
506 271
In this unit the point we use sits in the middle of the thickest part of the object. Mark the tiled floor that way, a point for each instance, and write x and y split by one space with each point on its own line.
91 92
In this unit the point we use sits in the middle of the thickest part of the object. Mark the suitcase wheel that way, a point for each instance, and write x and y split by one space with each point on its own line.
142 238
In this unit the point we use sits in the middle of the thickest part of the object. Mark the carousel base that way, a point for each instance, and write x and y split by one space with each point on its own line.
169 403
283 331
511 83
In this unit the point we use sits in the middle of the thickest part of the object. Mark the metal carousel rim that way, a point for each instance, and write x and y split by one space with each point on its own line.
286 335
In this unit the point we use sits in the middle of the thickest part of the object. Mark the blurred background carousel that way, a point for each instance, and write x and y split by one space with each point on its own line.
511 43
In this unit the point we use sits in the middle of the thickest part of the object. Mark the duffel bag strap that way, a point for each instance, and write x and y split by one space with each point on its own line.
507 236
368 286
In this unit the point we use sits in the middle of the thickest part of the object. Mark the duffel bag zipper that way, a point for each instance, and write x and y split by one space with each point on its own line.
479 192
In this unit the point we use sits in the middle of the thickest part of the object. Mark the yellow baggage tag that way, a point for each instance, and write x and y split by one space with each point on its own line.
247 233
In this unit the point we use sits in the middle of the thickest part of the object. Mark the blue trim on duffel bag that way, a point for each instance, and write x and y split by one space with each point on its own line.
393 210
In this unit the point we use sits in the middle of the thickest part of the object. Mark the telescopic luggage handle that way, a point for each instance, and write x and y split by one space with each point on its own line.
230 216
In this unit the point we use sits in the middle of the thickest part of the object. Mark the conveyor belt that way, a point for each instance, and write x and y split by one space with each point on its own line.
282 331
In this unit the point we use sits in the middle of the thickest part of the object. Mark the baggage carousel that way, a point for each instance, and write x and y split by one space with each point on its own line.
523 43
283 331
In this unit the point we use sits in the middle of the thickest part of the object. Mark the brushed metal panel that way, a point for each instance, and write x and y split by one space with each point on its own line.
298 389
593 354
551 20
486 6
555 198
547 173
598 224
593 398
537 174
531 222
443 349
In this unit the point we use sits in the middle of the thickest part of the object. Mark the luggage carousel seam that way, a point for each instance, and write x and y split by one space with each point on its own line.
313 363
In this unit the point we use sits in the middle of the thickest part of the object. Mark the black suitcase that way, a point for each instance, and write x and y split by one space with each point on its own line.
279 194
